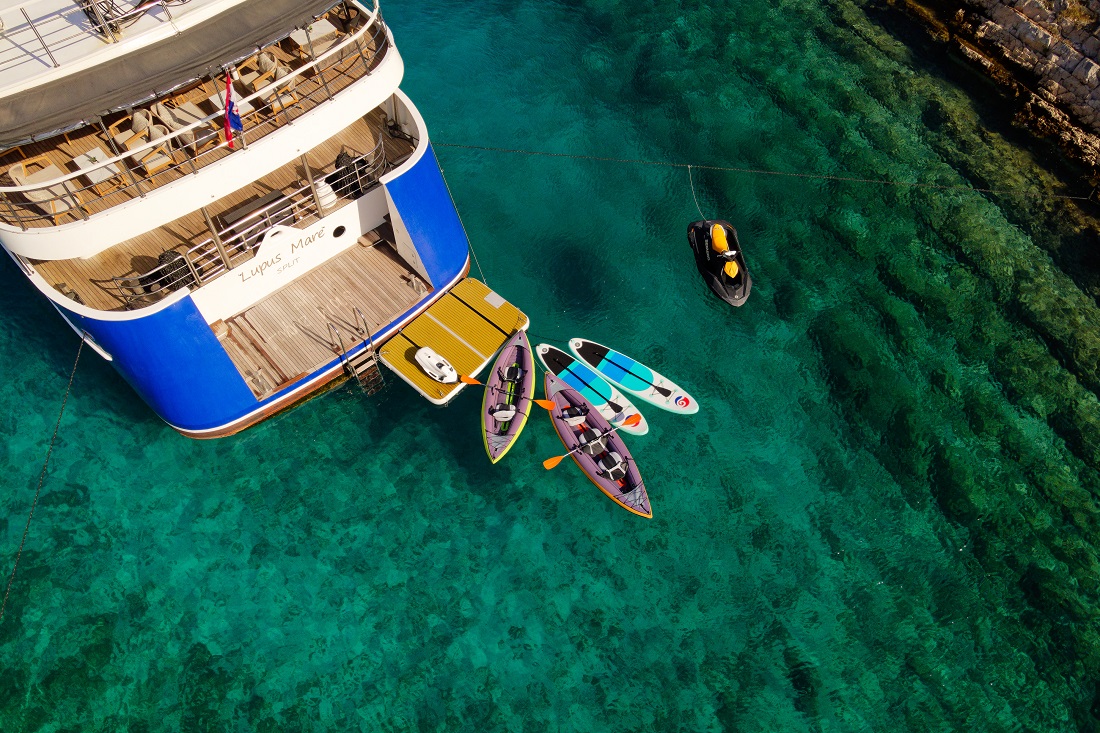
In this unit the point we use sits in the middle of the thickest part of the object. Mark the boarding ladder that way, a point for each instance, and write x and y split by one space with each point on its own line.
363 366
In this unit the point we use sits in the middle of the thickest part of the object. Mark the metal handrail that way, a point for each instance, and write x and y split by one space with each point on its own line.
240 240
373 25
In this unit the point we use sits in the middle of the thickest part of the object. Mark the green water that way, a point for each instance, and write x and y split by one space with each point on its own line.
884 518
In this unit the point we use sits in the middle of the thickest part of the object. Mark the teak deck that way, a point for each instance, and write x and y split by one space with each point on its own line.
287 335
62 150
90 278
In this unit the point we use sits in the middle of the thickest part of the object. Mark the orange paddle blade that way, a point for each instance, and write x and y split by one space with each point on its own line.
551 462
469 380
544 404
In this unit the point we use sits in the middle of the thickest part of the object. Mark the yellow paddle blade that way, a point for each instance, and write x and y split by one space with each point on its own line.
551 462
469 380
544 404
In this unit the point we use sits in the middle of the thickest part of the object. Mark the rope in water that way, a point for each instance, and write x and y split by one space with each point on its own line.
764 172
693 196
41 480
471 242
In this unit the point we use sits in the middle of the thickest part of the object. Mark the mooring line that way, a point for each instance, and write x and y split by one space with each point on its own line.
463 225
41 478
693 196
763 172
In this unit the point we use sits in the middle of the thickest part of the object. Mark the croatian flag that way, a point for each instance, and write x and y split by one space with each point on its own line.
232 116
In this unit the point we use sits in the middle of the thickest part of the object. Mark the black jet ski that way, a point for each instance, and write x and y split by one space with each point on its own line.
720 261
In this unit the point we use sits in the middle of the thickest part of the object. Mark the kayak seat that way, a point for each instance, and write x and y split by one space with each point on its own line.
592 442
613 466
503 413
574 415
511 374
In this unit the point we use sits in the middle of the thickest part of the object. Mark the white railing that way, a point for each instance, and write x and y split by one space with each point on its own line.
235 243
46 201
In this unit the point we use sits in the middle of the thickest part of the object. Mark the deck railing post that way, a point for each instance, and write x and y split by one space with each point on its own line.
40 39
14 212
194 270
117 152
312 55
217 239
73 202
313 188
103 22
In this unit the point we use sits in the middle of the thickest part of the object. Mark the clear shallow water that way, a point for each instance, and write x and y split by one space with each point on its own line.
883 518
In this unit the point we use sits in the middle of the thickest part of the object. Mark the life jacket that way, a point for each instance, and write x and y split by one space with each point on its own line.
613 466
731 269
574 416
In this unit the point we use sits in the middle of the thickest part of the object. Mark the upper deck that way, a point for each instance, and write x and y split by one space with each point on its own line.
172 127
44 40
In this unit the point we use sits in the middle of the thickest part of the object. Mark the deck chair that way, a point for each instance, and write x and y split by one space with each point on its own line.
262 71
179 115
54 201
123 130
154 159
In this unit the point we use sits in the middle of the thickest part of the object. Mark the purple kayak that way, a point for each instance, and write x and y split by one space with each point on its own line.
600 452
509 387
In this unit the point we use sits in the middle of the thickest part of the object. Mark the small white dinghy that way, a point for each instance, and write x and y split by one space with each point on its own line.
435 366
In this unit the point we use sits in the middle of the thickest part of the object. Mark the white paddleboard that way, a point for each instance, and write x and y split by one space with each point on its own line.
634 377
609 401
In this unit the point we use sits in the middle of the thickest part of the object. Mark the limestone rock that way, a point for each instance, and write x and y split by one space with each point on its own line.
1087 71
1034 37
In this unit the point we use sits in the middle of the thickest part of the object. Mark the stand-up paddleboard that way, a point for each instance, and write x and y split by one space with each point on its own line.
634 377
509 388
606 399
597 449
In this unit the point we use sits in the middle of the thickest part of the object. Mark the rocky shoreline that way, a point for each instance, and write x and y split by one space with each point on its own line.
1042 53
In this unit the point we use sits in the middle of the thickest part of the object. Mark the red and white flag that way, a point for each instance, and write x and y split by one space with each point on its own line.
232 116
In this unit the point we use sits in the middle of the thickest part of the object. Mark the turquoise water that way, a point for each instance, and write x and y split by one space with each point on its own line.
883 518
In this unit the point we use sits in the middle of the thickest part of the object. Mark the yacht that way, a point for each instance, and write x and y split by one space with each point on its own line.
233 202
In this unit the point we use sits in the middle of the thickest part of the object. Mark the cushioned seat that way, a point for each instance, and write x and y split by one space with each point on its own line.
153 159
612 466
123 130
56 200
180 115
574 416
592 442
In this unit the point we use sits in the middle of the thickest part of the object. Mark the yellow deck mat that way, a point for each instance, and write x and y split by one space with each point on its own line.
467 326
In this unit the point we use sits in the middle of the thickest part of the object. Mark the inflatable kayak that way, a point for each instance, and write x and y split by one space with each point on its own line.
597 449
720 260
607 400
509 387
634 377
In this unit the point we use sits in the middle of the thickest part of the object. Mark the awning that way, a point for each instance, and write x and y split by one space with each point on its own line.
140 74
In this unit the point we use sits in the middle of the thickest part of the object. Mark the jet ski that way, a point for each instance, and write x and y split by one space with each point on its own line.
720 260
435 366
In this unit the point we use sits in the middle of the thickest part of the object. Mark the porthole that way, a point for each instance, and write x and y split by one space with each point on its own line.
339 231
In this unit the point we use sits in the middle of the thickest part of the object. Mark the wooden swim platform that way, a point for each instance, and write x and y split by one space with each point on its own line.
467 326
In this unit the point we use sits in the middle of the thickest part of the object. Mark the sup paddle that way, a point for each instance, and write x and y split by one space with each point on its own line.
544 404
565 366
629 423
659 390
613 405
